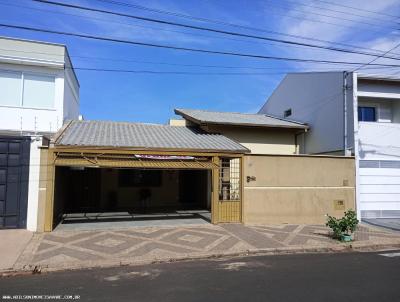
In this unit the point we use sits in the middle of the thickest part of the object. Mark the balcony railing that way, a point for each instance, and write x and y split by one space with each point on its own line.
379 140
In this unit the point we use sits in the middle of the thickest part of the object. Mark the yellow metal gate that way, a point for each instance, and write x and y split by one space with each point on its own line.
228 196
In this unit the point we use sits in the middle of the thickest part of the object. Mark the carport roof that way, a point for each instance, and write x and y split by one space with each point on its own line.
143 137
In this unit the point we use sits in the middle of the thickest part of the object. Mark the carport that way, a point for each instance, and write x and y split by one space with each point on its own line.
110 171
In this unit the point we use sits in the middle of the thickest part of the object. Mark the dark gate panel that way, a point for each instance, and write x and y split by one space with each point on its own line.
14 178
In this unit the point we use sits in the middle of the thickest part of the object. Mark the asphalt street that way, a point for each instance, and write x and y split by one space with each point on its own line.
302 277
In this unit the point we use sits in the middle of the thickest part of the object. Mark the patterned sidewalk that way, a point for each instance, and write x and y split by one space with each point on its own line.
68 249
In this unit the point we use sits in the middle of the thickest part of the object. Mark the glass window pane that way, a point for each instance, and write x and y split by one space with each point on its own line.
366 114
10 87
38 91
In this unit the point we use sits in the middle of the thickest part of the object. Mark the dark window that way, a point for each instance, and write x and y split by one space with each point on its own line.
139 178
287 113
366 114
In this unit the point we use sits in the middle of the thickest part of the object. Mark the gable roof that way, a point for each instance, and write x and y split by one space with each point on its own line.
237 119
144 137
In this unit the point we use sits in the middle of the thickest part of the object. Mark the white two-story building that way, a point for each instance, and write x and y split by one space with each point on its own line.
350 113
38 92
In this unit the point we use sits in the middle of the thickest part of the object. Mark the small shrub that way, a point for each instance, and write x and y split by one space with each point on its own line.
345 225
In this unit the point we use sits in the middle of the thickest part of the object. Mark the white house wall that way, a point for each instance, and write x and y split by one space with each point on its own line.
378 88
41 59
71 99
34 119
379 150
33 191
71 91
379 141
23 52
317 99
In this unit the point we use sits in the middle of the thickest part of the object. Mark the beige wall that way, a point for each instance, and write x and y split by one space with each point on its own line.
176 122
297 189
260 140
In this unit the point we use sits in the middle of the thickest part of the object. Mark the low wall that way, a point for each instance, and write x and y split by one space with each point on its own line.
296 188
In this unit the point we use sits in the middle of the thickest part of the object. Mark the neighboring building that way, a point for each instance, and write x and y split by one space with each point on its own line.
39 87
350 114
39 91
260 133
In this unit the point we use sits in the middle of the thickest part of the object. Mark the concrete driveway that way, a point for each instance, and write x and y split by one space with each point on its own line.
387 223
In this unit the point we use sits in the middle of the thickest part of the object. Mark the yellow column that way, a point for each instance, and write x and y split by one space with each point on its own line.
49 204
214 194
242 180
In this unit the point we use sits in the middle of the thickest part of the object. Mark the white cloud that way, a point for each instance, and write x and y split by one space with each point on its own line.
87 22
354 32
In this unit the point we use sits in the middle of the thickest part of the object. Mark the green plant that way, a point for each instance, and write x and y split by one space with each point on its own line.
345 225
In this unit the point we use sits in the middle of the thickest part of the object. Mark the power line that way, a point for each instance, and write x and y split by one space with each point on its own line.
190 17
230 24
134 60
142 26
337 11
358 9
236 54
210 29
330 16
158 72
372 61
202 66
175 72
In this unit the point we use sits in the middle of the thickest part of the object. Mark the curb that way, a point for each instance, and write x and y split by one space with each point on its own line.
341 248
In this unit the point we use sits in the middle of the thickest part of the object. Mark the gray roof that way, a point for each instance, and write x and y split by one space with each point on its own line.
237 119
143 136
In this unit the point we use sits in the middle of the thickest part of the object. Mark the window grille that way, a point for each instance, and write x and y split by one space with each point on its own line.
229 179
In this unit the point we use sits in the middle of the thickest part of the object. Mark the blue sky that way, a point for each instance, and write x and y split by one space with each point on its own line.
152 97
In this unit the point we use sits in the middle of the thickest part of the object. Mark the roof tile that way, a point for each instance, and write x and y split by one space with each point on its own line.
146 136
234 118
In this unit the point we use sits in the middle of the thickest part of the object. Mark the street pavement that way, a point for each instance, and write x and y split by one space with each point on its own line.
355 276
99 248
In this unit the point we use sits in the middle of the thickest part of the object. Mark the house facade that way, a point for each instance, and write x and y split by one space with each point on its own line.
350 114
39 92
93 171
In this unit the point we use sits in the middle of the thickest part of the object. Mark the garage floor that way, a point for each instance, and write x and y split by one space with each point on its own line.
119 220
